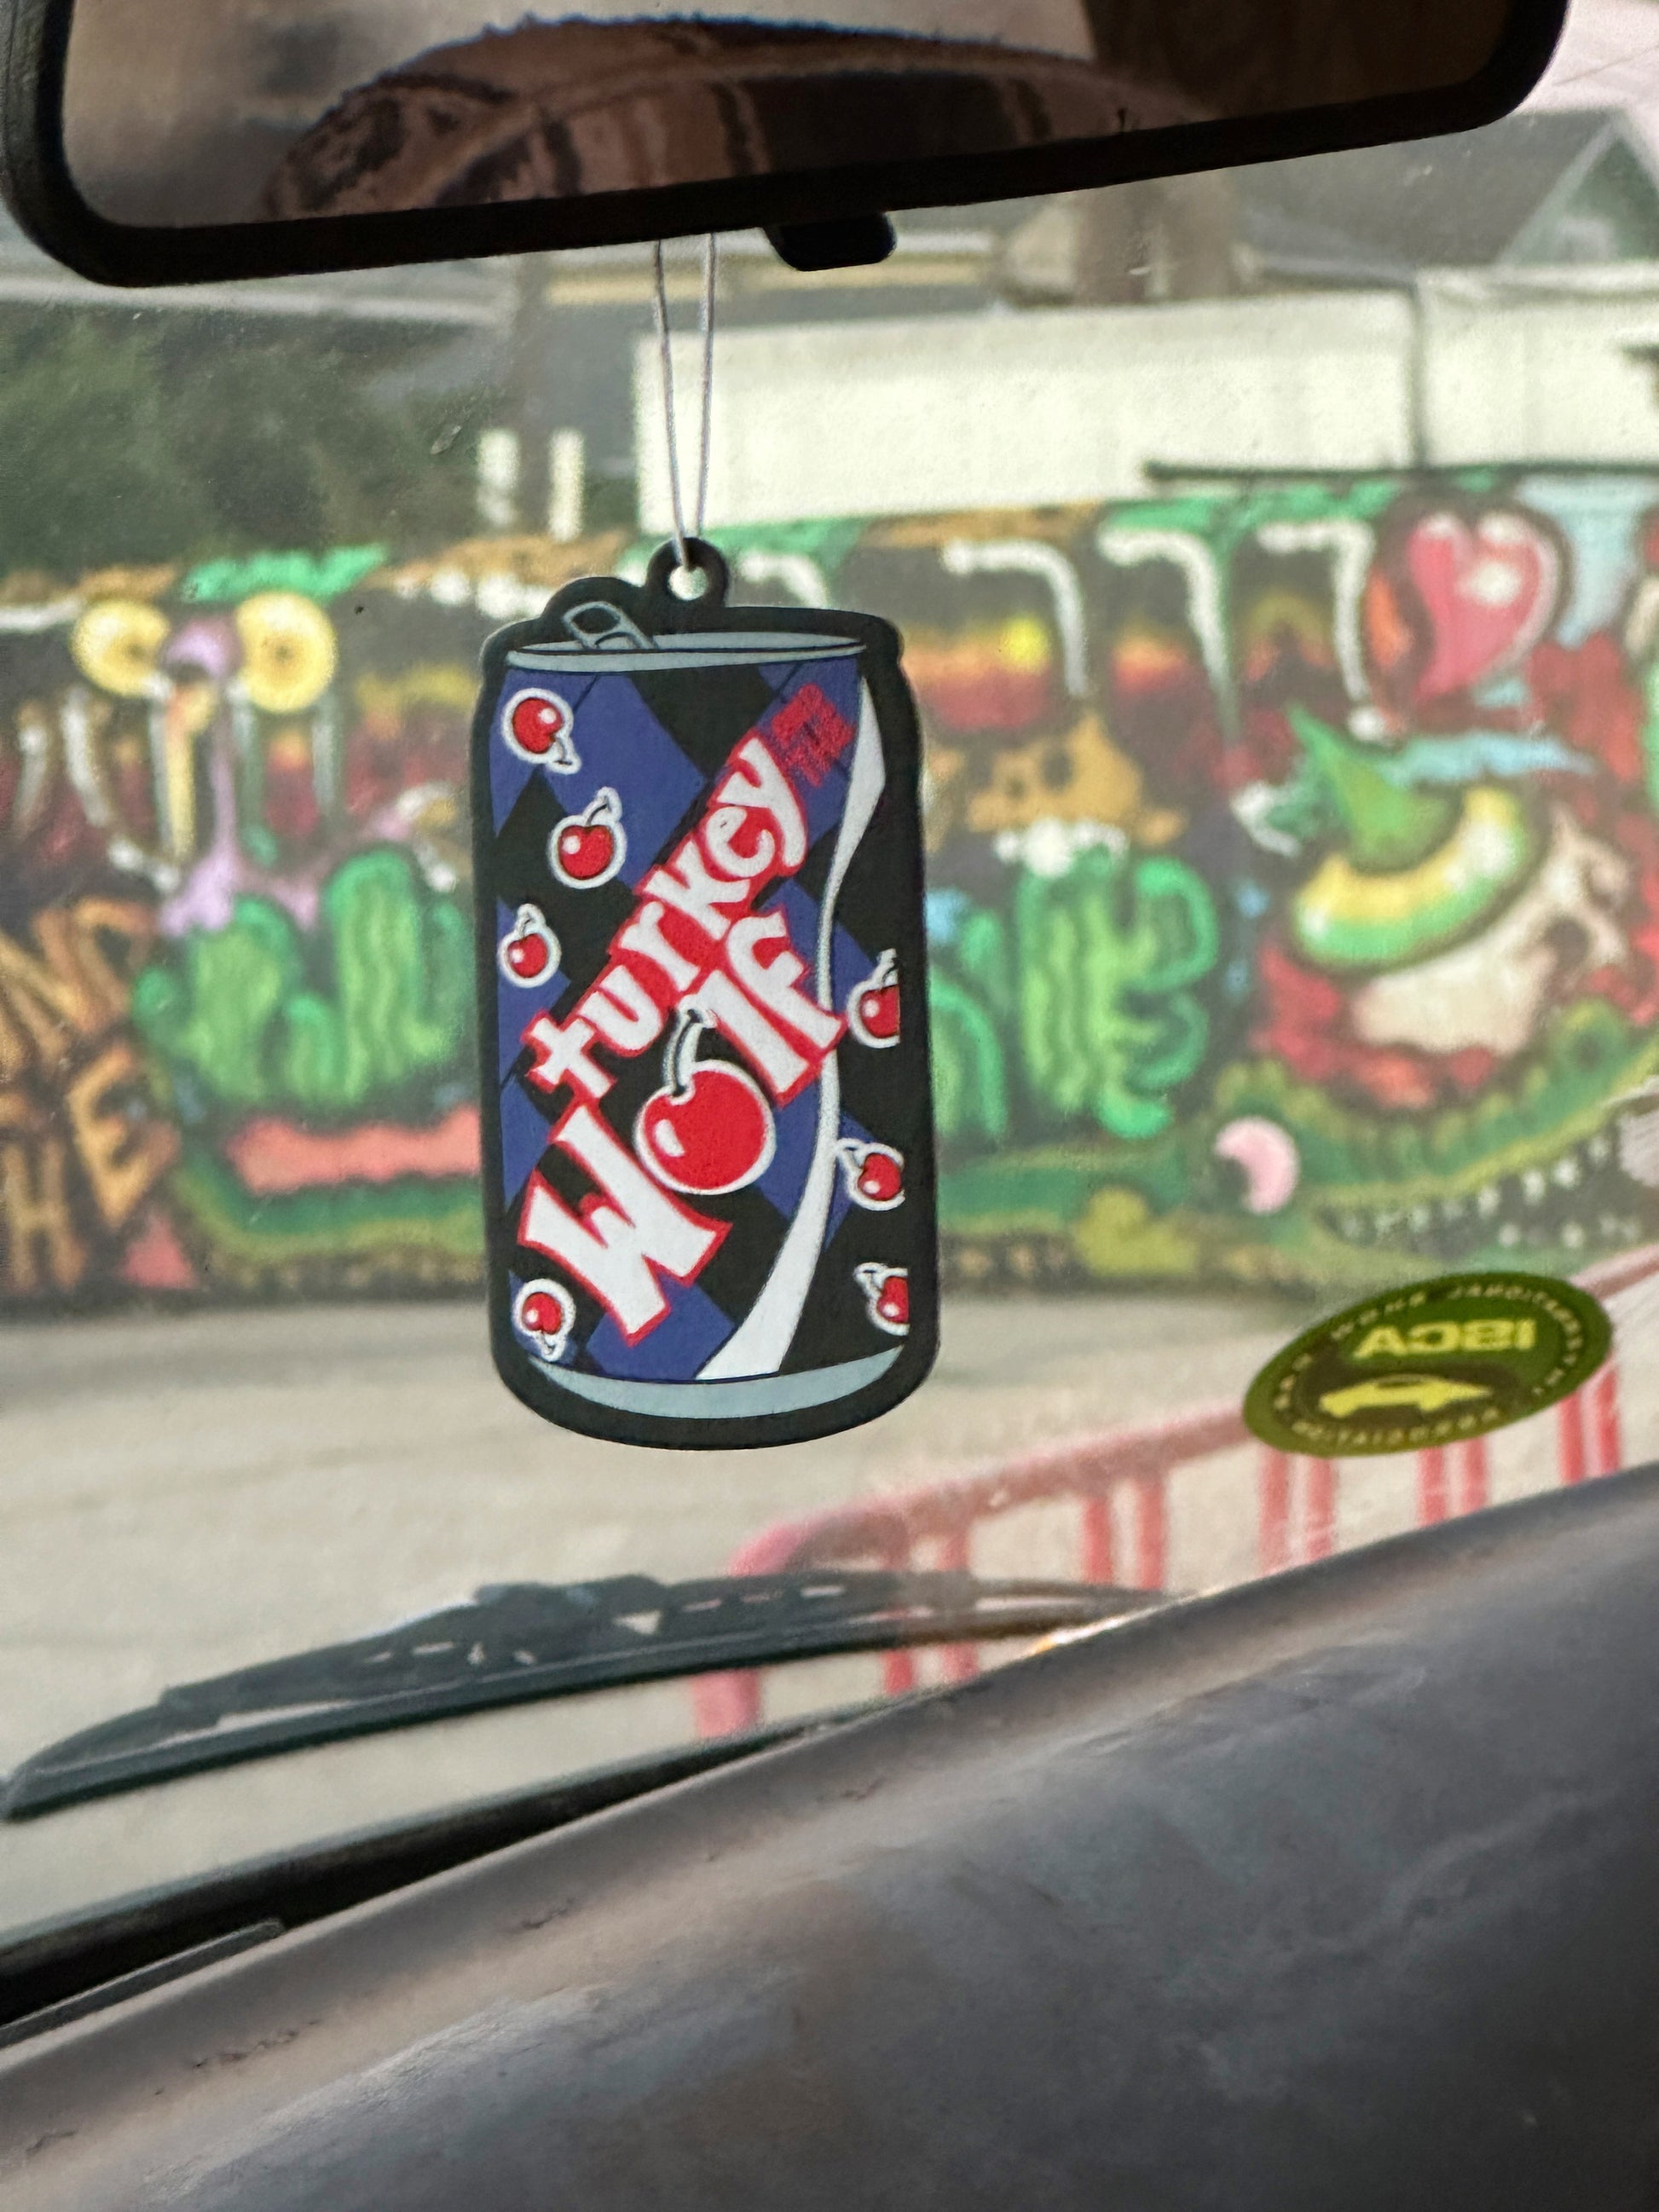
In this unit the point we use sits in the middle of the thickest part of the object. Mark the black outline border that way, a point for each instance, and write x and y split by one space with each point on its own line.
35 180
658 611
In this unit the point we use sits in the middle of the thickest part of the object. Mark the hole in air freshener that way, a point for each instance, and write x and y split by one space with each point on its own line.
709 1181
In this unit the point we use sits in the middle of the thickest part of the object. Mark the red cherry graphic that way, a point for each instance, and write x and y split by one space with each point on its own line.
872 1011
545 1312
878 1012
538 724
881 1180
709 1130
588 848
887 1295
874 1174
529 951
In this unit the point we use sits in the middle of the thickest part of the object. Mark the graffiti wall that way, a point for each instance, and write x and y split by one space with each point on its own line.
235 968
1294 906
1295 877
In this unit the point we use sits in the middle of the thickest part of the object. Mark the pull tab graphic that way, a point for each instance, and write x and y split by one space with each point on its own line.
606 629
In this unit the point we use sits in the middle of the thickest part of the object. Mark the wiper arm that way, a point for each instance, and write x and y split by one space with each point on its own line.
515 1642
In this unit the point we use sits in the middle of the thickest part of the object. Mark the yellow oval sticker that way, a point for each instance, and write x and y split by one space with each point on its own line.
1429 1364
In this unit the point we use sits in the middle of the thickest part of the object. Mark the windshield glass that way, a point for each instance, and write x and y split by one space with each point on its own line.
1277 557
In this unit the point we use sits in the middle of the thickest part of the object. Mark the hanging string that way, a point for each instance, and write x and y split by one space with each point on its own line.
705 410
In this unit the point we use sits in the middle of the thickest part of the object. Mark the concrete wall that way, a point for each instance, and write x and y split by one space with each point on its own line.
1542 369
916 416
1293 890
925 416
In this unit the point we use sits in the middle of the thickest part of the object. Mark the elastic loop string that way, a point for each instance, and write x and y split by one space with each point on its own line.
705 412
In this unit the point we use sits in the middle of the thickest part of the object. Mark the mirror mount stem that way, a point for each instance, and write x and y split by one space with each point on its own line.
853 242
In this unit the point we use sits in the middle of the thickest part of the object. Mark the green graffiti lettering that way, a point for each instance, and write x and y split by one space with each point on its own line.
1107 954
970 1087
214 1012
217 583
401 978
234 1013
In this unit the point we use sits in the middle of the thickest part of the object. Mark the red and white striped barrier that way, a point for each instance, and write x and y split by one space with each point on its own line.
1119 1483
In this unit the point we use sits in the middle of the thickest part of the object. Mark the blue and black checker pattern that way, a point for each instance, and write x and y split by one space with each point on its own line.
661 740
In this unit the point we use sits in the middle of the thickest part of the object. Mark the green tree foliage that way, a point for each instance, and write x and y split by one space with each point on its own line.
138 436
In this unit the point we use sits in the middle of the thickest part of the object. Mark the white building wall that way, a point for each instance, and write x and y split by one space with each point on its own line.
1519 371
1023 409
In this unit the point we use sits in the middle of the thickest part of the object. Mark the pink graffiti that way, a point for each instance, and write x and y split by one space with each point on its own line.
207 898
1489 591
1267 1154
274 1157
155 1259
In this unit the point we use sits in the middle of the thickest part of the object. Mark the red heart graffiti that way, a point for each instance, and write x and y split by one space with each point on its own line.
1489 591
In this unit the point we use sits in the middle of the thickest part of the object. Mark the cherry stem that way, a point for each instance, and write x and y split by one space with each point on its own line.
682 1055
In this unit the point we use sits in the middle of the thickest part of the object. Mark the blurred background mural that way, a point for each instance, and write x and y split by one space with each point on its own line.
1277 554
1293 906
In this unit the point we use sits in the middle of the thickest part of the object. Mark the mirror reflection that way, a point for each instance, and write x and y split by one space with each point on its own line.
185 112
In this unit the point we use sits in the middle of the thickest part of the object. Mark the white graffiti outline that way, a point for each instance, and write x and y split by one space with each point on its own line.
1352 546
1025 557
1129 548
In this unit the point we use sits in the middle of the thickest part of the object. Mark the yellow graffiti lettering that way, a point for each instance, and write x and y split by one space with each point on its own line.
80 1150
95 920
38 1248
66 991
123 1160
44 1004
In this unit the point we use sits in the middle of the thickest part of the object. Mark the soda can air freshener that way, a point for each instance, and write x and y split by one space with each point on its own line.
709 1151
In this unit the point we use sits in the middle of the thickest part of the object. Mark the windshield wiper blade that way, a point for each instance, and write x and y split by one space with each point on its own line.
515 1642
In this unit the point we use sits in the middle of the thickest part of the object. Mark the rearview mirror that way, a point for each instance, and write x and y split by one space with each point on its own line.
150 140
